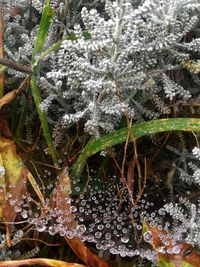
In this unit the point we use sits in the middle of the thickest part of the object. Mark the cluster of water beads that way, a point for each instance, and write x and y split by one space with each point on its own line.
103 216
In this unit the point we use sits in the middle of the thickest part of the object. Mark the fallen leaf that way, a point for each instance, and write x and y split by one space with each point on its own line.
13 182
62 193
39 261
187 254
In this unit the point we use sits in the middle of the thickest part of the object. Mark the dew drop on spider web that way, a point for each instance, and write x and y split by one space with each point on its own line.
81 229
148 237
124 239
98 234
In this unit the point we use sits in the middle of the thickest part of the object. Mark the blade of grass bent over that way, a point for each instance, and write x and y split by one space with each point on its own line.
44 26
138 130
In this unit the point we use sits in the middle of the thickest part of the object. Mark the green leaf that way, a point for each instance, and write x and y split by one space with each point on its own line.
144 228
87 35
43 119
185 264
138 130
44 26
163 263
3 69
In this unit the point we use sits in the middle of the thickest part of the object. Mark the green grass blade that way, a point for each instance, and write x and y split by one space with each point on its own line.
54 47
3 69
18 134
45 23
43 120
44 26
138 130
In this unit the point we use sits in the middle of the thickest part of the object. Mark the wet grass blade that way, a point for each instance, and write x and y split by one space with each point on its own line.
138 130
43 119
44 26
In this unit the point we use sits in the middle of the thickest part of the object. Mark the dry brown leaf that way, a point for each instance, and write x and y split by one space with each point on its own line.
192 257
14 180
6 99
79 247
39 261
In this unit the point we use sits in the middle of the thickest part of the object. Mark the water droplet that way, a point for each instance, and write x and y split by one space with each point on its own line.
83 202
80 229
124 231
176 250
81 209
52 230
40 227
107 236
9 195
2 171
100 226
24 214
148 237
110 243
77 189
98 234
17 209
73 209
125 239
70 234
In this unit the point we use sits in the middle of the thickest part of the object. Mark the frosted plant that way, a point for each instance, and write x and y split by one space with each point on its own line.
185 213
191 173
11 253
188 219
119 60
115 65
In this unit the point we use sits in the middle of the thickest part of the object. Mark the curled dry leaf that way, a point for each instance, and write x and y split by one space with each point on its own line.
59 201
6 99
186 253
40 261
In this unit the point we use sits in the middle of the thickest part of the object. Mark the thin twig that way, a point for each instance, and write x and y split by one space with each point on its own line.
15 66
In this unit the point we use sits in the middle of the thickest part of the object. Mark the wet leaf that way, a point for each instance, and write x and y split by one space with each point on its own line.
186 256
13 183
47 16
60 196
45 23
165 264
40 261
138 130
